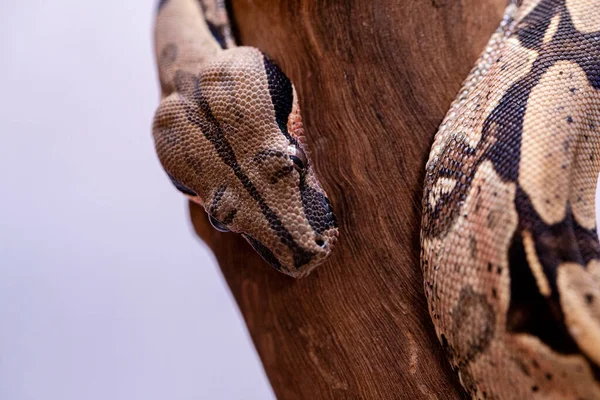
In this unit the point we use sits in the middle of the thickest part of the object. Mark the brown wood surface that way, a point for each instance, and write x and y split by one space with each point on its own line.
374 80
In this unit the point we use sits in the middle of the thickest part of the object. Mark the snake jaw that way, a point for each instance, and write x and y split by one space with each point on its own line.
309 251
312 257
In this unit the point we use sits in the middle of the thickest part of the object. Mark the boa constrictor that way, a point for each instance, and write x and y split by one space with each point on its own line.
510 254
228 132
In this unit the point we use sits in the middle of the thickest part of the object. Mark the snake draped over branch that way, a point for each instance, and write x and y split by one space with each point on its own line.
509 248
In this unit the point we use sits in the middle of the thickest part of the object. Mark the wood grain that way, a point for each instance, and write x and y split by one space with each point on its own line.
374 80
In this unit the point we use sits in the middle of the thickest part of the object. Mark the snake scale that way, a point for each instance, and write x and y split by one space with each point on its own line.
509 249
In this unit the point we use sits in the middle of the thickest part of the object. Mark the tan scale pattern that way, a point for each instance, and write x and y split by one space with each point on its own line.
217 135
562 97
579 289
584 19
510 253
551 31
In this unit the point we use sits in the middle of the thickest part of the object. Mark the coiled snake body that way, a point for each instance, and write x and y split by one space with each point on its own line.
510 254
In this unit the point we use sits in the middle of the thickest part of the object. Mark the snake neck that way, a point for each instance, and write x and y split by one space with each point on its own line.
187 35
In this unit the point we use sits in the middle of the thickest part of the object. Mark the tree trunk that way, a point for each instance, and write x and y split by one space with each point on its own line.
374 81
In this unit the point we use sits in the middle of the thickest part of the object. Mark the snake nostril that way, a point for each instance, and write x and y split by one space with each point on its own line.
320 242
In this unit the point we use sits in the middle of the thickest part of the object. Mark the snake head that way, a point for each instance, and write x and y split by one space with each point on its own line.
230 138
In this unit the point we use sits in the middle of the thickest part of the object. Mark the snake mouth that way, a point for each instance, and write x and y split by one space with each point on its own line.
304 261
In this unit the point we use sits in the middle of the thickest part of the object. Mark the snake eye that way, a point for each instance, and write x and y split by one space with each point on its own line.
218 225
299 160
298 164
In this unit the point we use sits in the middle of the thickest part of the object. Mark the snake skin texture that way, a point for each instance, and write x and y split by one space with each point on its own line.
229 134
510 253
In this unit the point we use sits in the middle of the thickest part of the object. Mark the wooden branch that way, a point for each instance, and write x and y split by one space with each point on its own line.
374 80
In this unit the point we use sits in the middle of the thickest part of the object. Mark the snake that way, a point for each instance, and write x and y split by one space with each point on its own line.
510 255
229 134
509 248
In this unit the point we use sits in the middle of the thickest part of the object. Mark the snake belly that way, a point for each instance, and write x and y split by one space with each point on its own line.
229 134
509 247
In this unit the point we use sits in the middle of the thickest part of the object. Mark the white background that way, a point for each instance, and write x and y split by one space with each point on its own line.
105 291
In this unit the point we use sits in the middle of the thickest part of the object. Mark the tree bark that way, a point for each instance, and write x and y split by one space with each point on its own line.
374 80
